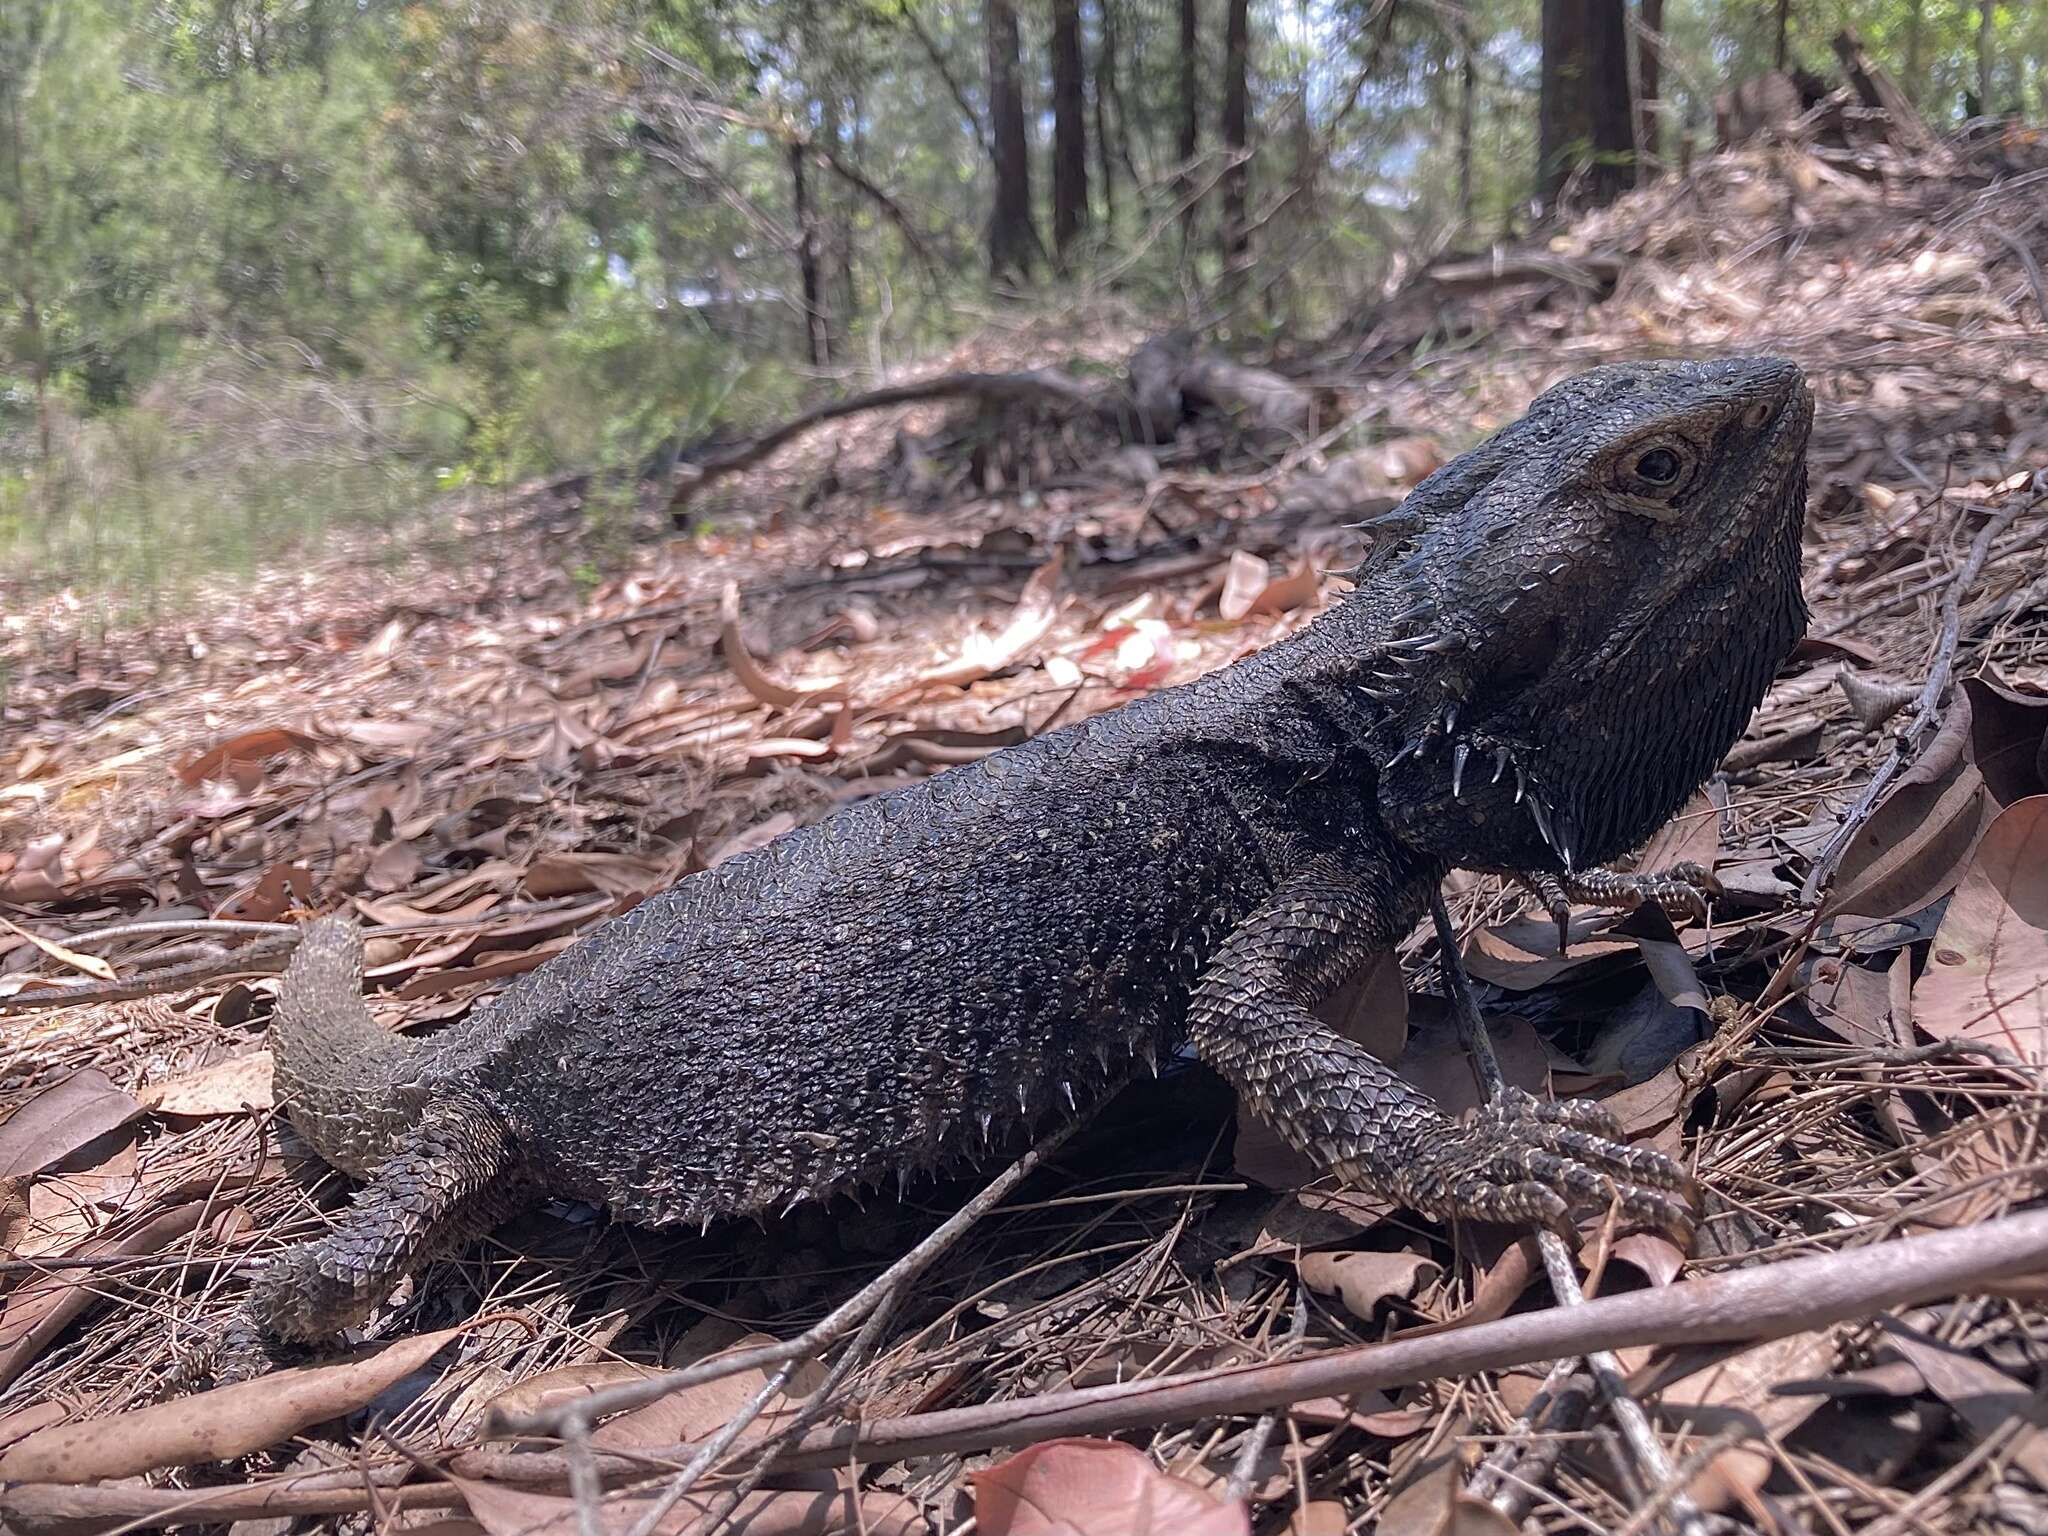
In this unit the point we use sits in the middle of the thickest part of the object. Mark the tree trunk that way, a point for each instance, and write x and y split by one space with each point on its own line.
1915 85
836 216
1109 82
1236 132
1190 137
817 323
1784 25
1012 236
1468 89
1102 81
1069 128
1984 35
25 283
1649 117
1584 124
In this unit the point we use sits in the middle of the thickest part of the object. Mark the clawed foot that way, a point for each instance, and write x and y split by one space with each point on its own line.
236 1351
1679 892
1524 1159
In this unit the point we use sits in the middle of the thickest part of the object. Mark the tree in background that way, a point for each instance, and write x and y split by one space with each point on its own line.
1585 128
315 258
1012 235
1069 129
1237 52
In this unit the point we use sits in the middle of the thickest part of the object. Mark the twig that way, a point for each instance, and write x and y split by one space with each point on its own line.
1255 1443
1606 1371
256 955
1517 1467
570 1419
1908 743
1765 1301
1042 385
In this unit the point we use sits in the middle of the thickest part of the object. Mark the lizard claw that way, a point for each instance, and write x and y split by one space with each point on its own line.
1523 1159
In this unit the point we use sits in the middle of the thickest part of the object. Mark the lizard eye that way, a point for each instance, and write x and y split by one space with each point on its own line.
1657 467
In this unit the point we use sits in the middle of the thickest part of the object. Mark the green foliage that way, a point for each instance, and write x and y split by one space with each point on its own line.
270 268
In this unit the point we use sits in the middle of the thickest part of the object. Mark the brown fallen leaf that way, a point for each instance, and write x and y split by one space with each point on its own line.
494 967
1436 1062
70 1203
1713 1390
1985 1398
61 1119
219 1425
1693 836
1079 1487
1655 1255
230 1086
1917 843
681 1417
1521 953
2008 737
1362 1281
1987 975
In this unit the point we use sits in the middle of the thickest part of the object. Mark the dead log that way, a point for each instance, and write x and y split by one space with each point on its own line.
1597 273
1039 386
1259 397
1155 372
1876 88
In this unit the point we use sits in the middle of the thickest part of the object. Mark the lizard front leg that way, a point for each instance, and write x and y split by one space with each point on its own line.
1678 892
1520 1159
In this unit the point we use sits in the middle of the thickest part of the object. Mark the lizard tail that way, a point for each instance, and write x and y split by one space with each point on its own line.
340 1075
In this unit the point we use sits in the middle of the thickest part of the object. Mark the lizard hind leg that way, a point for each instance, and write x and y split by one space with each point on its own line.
453 1177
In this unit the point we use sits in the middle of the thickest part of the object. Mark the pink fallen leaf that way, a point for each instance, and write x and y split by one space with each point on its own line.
248 748
1079 1487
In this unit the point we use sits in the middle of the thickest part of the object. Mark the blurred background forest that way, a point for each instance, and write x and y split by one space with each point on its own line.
275 266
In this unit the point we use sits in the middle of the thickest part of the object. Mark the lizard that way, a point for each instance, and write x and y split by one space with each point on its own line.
1549 648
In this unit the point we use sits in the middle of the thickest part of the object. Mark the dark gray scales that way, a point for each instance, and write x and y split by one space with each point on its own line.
1570 627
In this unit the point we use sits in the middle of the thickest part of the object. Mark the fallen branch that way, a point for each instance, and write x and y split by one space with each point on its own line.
1039 386
1766 1301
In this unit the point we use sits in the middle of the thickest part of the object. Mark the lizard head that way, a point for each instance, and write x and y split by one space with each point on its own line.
1588 609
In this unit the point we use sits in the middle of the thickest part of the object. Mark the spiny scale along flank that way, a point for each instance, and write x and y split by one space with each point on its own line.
1555 645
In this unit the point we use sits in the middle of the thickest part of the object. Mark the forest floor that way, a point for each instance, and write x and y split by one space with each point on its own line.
484 757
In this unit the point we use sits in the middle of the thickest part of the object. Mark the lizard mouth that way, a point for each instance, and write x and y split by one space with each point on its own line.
1529 662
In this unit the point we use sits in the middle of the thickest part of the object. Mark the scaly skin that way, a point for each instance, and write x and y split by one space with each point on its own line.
1530 678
